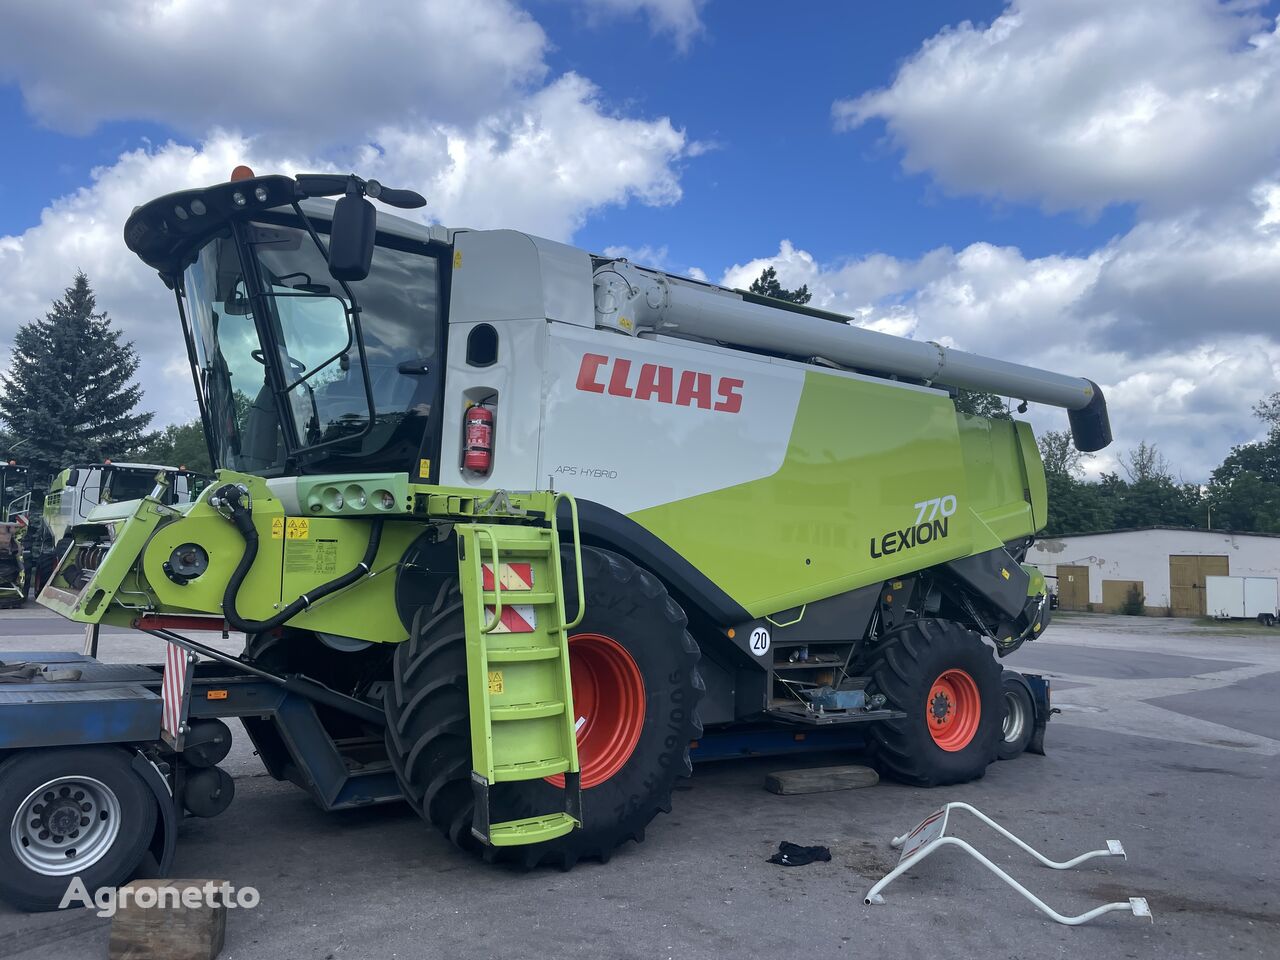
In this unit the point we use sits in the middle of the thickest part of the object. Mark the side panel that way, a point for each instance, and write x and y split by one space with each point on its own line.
512 386
635 424
872 486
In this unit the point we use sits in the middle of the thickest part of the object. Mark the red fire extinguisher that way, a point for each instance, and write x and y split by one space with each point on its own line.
477 439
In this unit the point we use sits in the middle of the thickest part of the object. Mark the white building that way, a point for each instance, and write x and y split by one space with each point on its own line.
1096 571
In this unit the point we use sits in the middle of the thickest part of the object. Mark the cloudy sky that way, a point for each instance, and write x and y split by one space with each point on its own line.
1085 185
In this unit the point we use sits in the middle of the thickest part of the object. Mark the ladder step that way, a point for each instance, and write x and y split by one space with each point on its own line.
531 830
523 548
520 654
512 597
528 711
529 770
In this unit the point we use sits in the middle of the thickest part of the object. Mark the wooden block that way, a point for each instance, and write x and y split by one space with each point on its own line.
820 779
151 931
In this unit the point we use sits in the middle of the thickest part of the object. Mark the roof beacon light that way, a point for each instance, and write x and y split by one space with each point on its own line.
241 172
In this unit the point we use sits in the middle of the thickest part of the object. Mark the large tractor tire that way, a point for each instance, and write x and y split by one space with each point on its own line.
949 685
635 685
300 651
68 812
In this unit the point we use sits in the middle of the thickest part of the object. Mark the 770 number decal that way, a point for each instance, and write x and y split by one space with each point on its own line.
930 509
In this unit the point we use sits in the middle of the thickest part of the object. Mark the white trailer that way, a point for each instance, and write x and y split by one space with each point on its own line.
1229 598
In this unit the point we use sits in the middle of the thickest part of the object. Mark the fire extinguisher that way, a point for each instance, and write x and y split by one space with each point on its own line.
477 439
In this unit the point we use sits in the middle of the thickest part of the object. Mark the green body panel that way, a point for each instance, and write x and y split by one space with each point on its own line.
843 511
203 525
53 499
1033 472
94 599
295 554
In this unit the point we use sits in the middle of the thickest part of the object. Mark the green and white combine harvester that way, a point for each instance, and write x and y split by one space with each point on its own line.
78 490
522 524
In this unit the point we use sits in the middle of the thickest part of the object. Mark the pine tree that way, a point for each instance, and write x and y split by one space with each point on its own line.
69 394
767 285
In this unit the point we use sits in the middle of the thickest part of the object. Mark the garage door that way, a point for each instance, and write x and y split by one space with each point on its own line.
1073 587
1186 582
1115 594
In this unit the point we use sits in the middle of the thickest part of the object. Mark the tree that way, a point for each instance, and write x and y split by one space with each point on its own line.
1268 410
1244 492
981 405
69 394
1059 453
179 445
1145 462
767 285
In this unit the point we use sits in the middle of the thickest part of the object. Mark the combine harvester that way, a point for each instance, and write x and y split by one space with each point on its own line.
80 489
509 527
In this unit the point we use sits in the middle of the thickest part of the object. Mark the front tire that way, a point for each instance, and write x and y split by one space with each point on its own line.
68 812
948 683
630 758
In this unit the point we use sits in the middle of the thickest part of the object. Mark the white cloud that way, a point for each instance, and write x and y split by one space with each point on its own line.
680 18
318 71
1189 395
501 172
542 165
1167 103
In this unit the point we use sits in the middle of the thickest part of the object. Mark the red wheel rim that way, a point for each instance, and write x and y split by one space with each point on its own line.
953 710
608 700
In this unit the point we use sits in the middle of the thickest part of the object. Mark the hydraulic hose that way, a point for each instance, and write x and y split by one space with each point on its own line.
242 517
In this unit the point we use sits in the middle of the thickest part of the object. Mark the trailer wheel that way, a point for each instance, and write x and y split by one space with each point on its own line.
948 683
71 811
634 668
1019 717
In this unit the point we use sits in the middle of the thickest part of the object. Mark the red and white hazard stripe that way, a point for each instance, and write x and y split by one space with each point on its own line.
172 688
513 576
516 618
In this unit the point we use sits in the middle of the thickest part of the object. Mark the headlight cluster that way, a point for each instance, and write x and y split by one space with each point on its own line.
350 498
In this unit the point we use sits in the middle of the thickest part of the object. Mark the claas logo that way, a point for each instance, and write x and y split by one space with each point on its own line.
658 382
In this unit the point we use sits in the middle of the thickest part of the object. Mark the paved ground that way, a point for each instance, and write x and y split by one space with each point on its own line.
1163 743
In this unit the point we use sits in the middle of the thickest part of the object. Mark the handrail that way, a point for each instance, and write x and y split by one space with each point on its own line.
577 551
490 625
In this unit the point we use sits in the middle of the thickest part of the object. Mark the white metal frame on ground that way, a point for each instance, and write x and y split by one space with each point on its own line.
930 835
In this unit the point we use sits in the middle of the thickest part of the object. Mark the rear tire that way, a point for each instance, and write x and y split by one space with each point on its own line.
428 727
107 811
948 683
1019 717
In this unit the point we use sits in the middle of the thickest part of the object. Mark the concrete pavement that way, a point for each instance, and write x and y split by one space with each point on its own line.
1188 783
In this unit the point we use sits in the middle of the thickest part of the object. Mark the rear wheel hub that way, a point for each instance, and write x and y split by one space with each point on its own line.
608 703
954 709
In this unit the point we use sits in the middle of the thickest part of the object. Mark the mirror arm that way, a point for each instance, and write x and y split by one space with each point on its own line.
354 308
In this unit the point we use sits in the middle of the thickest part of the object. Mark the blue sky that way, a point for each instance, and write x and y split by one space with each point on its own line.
1075 183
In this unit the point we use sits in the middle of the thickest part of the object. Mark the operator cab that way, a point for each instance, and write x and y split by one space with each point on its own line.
302 363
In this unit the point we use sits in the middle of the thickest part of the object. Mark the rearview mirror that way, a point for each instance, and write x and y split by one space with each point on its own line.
351 238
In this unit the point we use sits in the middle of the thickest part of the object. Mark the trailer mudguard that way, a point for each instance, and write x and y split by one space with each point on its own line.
1038 687
165 838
